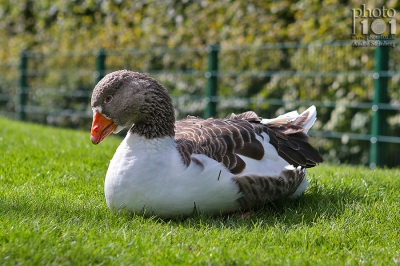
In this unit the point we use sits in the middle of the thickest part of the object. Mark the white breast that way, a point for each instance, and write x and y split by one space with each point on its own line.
149 176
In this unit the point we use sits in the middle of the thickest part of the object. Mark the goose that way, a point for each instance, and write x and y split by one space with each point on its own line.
169 168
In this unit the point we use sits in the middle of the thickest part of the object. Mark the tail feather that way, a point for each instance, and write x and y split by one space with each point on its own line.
288 134
305 120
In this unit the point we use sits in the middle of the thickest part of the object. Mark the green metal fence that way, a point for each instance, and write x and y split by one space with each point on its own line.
354 89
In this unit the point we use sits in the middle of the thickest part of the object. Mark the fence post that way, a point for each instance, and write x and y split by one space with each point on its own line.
23 85
212 80
379 116
100 65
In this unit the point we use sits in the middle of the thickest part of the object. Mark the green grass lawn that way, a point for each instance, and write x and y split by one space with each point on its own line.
53 211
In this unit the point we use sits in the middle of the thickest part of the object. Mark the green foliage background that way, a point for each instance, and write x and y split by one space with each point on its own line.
61 25
54 26
66 34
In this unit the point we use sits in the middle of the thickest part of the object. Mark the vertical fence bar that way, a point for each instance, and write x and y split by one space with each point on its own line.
23 85
379 117
100 65
212 80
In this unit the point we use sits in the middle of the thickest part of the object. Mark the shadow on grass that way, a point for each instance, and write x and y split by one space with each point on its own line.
317 204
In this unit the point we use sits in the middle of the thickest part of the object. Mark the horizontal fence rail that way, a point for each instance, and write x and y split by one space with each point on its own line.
354 125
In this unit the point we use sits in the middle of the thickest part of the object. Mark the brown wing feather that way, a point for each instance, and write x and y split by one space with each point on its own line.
220 139
292 144
224 139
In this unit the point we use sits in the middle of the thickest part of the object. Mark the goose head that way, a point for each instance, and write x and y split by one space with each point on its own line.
129 99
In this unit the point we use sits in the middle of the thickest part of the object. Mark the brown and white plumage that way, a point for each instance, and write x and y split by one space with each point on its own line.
225 139
166 168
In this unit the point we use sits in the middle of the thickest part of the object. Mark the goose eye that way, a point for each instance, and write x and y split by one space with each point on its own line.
108 99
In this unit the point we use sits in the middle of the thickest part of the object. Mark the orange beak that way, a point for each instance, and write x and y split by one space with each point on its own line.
101 128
